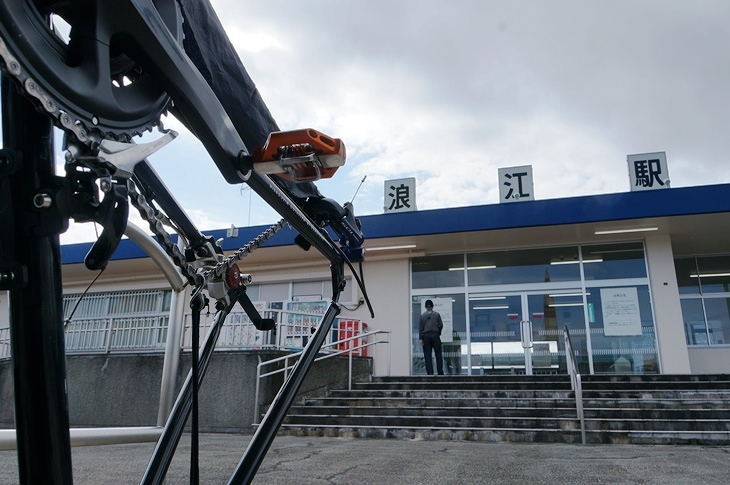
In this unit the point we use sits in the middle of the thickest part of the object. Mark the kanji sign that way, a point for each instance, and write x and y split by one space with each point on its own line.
648 171
515 184
400 195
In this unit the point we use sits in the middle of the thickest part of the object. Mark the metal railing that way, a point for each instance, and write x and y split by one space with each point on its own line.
117 333
293 330
575 382
147 332
330 350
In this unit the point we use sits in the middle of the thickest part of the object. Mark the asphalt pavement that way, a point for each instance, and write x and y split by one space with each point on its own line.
315 460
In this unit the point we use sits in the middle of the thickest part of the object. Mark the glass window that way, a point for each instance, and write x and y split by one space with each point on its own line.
706 317
524 266
615 348
622 329
718 320
438 271
694 321
495 333
714 274
550 313
309 289
687 280
166 300
614 261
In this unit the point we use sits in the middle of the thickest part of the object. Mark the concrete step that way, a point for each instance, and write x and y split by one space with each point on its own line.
410 411
644 437
654 378
431 433
522 435
437 401
657 394
618 409
688 386
667 425
658 404
467 378
399 421
448 385
651 413
456 394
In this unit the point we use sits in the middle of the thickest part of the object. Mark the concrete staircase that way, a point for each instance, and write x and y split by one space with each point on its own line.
657 409
618 409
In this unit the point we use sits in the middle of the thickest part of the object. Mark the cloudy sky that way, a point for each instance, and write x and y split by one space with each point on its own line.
450 91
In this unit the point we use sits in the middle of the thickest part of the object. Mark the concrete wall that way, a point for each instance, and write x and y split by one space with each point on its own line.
673 355
388 286
4 309
124 389
710 360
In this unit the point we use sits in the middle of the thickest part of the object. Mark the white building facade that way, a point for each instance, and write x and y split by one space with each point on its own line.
641 280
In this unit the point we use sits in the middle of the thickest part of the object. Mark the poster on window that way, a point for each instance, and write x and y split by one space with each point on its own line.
620 308
443 306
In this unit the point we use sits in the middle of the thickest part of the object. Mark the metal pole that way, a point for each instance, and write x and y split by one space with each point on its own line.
349 365
175 325
171 361
389 353
36 309
257 406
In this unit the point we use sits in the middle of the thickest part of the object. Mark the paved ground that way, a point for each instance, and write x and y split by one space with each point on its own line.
301 461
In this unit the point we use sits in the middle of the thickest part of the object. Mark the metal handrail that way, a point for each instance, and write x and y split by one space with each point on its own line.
575 382
295 355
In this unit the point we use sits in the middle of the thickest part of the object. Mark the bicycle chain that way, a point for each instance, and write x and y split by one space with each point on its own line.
38 95
189 271
244 251
148 213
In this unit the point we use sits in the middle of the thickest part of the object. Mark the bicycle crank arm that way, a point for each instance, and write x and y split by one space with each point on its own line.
202 112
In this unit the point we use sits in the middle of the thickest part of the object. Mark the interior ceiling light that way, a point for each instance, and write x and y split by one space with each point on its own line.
593 260
623 231
709 275
392 248
461 268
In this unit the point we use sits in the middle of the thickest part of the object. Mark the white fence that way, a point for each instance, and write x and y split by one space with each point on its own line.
138 321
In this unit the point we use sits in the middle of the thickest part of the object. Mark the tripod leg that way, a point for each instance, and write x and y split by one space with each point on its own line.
266 432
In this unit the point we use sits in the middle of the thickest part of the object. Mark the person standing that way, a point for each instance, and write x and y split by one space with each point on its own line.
429 333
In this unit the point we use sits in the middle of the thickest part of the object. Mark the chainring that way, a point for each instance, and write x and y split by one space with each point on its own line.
66 57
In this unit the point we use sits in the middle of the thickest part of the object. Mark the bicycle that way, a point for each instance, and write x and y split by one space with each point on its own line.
108 80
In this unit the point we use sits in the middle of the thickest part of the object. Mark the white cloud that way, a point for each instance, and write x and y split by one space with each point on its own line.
449 92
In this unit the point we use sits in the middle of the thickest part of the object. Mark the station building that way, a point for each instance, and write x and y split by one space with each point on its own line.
641 280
